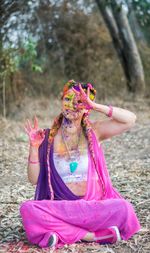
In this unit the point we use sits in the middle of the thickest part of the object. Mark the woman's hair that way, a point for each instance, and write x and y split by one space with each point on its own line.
85 123
86 126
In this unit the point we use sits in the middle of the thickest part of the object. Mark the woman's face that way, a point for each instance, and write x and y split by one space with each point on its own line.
69 102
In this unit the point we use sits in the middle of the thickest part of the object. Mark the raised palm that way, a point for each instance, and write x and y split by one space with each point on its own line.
36 135
83 100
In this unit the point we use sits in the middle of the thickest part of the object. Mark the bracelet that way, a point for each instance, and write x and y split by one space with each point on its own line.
110 111
32 162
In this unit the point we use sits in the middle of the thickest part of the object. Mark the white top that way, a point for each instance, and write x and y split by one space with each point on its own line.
62 165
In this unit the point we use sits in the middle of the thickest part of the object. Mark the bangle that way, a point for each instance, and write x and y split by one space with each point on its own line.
32 162
110 111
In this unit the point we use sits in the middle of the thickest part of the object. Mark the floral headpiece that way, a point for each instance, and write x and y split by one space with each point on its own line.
75 85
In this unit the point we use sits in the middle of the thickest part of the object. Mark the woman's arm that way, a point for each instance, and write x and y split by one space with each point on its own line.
120 121
36 137
33 169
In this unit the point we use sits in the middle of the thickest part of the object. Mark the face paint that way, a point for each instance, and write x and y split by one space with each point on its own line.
75 85
68 100
92 96
66 122
69 106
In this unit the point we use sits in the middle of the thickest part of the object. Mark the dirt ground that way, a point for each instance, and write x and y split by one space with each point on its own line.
128 160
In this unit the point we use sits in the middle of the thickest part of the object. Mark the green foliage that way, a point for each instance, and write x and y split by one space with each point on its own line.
142 9
28 56
11 59
142 12
36 68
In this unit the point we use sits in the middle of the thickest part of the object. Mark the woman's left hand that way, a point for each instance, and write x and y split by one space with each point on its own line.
83 100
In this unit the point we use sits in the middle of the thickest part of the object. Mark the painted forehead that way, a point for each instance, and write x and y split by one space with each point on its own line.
69 93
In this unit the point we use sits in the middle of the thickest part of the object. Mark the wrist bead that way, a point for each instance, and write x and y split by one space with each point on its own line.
32 162
110 111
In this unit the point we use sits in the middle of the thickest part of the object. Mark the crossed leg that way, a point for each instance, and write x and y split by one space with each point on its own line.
79 220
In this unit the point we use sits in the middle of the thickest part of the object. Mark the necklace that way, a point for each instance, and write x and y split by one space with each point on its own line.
73 164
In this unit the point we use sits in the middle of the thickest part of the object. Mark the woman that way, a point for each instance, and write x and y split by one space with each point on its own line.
74 199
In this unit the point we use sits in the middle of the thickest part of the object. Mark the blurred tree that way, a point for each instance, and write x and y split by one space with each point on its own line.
8 66
11 61
115 16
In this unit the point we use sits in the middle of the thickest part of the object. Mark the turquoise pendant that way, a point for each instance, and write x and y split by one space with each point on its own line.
73 166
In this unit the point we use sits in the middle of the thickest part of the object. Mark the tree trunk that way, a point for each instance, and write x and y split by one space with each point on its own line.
125 46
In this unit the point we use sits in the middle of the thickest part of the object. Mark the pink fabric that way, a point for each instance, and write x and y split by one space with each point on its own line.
72 219
106 235
94 188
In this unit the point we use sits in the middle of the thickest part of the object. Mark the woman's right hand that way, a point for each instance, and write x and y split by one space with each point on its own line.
36 135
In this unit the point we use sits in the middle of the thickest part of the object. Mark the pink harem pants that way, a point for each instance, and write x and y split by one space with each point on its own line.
71 220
